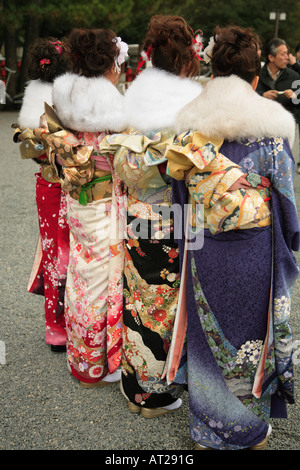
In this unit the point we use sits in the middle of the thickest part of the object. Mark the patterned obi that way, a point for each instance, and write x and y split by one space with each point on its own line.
74 161
138 160
230 198
152 220
31 147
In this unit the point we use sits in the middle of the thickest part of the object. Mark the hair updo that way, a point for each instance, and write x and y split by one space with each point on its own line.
235 53
92 51
171 41
46 59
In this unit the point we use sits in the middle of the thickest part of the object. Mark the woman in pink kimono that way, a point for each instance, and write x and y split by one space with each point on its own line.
46 61
87 106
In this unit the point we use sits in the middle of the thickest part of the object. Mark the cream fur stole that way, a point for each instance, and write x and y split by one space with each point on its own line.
229 108
88 104
155 97
35 95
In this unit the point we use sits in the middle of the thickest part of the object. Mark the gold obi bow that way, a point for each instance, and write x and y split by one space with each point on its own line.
70 160
231 198
30 146
191 150
137 156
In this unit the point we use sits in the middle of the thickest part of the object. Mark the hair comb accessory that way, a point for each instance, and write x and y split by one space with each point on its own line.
123 53
145 57
44 62
58 46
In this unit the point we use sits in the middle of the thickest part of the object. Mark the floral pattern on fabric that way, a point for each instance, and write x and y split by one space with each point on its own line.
239 378
238 365
87 288
151 271
153 306
93 306
54 233
150 302
273 163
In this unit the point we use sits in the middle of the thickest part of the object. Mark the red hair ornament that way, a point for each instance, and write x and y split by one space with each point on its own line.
44 62
58 46
145 57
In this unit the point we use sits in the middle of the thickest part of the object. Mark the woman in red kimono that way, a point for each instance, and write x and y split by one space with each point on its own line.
46 61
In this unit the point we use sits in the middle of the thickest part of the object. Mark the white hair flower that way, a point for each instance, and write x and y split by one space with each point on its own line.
123 52
209 50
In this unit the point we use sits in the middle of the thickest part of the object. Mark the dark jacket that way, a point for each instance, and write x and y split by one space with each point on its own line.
285 81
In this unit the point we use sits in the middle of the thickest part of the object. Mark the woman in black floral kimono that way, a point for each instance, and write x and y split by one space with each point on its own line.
152 262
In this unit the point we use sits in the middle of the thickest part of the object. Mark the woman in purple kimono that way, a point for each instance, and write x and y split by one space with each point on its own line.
232 159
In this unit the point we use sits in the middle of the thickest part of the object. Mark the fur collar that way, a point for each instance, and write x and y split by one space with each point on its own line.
229 108
35 95
155 97
88 104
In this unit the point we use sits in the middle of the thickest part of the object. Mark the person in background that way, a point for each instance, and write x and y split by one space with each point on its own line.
278 81
87 106
46 60
233 160
151 281
275 76
297 56
294 62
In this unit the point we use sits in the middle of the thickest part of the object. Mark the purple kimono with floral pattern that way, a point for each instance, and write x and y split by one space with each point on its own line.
238 300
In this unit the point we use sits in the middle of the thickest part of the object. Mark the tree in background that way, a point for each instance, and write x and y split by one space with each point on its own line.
10 25
21 21
206 14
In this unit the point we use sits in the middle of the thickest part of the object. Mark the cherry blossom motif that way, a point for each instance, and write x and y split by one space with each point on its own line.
94 290
282 306
249 351
54 243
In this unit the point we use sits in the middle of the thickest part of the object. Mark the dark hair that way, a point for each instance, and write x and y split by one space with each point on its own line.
272 47
46 59
171 41
235 53
92 51
297 48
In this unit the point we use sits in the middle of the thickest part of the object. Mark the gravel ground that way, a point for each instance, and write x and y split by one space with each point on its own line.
42 406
